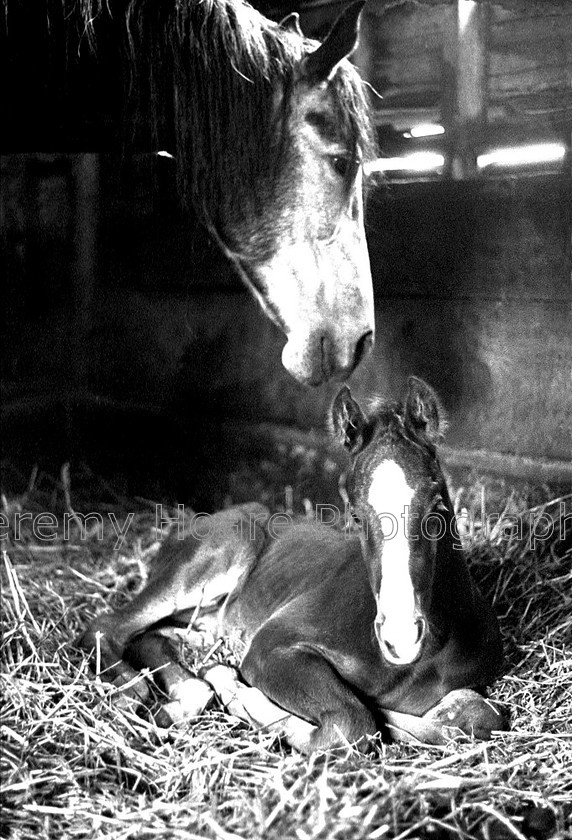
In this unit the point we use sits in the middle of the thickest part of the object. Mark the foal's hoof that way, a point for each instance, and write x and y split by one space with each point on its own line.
134 698
188 700
465 712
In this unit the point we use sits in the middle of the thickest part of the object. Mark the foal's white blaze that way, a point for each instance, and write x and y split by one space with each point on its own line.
390 496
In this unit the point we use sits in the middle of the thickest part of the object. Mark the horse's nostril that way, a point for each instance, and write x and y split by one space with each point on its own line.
337 359
326 348
363 347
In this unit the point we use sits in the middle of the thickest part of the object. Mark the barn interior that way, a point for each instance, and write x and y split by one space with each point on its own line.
131 347
137 369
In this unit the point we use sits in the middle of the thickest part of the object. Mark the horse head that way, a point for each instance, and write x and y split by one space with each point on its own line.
397 491
304 256
269 132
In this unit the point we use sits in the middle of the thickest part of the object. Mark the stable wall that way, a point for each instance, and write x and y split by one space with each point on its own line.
473 292
115 312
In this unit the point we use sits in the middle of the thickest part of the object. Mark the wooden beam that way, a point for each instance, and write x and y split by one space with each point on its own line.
468 110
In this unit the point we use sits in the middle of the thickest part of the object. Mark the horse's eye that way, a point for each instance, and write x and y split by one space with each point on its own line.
341 164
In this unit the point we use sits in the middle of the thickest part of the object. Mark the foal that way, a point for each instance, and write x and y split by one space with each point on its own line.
337 634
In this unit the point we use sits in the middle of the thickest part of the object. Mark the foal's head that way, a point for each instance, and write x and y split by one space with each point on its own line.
398 492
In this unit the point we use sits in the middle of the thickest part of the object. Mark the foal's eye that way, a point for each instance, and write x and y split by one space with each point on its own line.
439 505
355 517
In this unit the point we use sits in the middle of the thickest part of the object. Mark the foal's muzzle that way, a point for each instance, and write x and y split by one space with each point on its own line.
401 643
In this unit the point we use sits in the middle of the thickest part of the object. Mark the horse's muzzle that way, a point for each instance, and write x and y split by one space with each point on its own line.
338 362
325 358
363 348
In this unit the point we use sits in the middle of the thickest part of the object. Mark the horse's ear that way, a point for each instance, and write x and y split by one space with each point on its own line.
292 23
423 411
342 40
348 420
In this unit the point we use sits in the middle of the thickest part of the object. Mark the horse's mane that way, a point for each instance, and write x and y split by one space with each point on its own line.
205 79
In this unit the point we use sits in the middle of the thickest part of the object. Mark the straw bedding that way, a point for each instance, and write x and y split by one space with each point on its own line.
75 766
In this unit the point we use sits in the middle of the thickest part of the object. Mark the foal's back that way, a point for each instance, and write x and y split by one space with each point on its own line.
311 581
309 590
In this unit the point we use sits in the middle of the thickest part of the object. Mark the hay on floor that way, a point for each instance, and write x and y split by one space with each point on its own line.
74 766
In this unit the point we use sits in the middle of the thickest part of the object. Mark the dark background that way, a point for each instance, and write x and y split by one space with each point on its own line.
129 344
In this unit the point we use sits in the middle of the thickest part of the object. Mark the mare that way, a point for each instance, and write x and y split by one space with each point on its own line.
269 132
337 634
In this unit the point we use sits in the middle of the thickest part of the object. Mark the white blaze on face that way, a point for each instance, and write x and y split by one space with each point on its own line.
390 496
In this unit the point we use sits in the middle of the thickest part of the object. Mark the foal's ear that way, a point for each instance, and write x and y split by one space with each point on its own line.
292 23
341 41
348 420
423 412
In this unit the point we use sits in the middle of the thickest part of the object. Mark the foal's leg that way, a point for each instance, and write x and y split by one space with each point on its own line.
302 682
186 575
253 707
462 712
188 695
